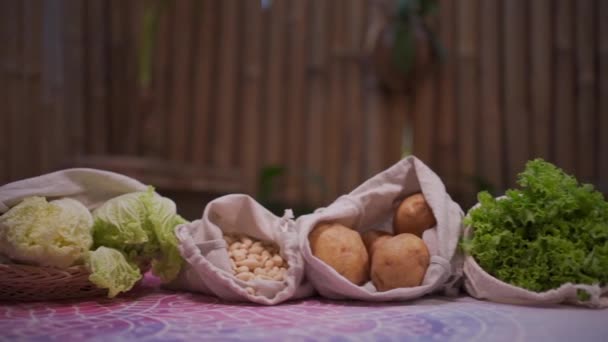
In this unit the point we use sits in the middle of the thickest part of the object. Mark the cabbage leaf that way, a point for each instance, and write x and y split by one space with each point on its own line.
110 270
141 225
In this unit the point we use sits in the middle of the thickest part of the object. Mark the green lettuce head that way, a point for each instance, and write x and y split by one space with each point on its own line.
141 225
551 231
42 233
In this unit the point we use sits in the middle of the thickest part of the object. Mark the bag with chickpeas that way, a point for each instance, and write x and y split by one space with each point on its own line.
240 251
395 237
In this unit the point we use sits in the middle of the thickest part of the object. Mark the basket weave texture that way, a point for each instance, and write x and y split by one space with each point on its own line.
33 283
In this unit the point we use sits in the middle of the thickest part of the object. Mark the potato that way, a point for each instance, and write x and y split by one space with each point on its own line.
400 261
372 239
342 249
413 216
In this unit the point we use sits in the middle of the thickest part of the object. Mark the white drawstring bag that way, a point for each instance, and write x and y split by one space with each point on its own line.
481 285
91 187
207 266
372 206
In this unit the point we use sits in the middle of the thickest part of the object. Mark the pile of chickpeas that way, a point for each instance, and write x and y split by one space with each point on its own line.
253 259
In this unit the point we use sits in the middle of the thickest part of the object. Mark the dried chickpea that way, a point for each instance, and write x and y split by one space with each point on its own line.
250 263
277 260
246 276
256 249
266 277
241 269
246 242
259 271
252 259
229 239
239 255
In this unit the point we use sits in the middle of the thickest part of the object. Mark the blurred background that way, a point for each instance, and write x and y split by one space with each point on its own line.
298 101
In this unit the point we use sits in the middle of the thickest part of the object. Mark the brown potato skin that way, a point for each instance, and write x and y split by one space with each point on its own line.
401 261
413 216
341 248
372 239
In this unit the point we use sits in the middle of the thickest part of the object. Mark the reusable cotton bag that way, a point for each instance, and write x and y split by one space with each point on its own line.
91 187
481 285
207 266
372 206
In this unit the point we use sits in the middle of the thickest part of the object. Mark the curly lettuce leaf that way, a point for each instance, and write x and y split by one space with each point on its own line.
42 233
551 231
111 270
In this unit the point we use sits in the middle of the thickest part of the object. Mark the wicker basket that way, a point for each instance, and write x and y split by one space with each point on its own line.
33 283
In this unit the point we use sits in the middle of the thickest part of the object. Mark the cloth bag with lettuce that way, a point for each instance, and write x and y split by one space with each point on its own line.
545 243
109 223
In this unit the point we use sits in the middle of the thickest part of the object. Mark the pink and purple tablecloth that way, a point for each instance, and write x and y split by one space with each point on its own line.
153 314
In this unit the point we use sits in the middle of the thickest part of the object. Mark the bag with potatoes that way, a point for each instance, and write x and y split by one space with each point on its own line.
240 251
395 237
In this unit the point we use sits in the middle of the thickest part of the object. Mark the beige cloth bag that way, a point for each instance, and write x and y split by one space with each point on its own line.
481 285
371 206
207 266
89 186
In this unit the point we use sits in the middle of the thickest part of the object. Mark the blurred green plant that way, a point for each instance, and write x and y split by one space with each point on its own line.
269 177
272 180
148 36
411 13
482 184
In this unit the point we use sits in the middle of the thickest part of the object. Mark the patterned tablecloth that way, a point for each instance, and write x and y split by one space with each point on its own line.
150 313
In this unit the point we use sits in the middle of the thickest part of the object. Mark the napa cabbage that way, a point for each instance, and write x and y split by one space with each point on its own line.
141 225
42 233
